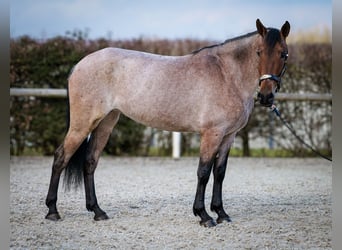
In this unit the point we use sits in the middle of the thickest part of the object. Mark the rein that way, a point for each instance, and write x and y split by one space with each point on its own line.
276 111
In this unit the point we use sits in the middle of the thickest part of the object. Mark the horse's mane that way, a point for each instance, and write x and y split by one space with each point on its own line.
272 37
225 42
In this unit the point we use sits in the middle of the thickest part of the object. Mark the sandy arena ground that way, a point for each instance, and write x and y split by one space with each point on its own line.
274 204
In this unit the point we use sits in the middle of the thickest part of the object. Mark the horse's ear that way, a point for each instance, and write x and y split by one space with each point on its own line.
285 30
261 28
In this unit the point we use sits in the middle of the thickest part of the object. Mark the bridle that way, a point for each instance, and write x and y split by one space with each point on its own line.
276 78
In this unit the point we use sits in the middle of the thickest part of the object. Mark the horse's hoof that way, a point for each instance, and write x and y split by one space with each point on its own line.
220 220
103 216
53 217
208 223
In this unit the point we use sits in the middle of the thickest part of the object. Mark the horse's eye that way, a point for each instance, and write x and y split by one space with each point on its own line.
284 55
258 52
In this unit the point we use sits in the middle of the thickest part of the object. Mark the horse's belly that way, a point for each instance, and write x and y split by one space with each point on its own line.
162 119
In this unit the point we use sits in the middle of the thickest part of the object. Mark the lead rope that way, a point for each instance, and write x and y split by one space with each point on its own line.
276 111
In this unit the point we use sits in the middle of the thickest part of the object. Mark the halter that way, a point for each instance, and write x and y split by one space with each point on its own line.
276 78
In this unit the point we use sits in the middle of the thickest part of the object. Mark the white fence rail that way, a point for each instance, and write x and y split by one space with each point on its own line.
62 93
176 136
49 93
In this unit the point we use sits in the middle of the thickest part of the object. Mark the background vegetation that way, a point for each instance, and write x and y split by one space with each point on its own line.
38 125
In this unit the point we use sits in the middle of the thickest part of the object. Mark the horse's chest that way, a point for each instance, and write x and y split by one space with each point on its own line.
239 117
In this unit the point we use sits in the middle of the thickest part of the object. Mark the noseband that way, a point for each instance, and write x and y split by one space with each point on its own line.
276 78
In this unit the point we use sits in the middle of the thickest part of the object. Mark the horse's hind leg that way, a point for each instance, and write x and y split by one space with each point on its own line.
219 171
62 156
97 142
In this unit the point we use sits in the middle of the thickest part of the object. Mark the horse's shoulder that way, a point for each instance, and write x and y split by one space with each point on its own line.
213 63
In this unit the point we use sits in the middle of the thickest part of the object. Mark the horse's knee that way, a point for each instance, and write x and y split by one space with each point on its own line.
203 175
219 172
203 171
220 166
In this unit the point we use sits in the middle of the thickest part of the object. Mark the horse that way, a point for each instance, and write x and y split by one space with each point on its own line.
210 91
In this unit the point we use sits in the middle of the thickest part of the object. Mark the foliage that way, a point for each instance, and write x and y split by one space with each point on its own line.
38 125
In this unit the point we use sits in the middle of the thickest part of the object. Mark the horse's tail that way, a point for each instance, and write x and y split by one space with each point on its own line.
73 173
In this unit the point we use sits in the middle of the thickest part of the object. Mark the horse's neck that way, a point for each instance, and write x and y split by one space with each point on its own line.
241 64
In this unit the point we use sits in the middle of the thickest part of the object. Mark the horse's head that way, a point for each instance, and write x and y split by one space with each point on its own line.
272 65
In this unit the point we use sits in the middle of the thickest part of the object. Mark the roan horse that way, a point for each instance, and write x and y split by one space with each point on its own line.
210 91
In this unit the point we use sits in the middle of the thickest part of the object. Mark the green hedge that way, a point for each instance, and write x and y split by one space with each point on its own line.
38 125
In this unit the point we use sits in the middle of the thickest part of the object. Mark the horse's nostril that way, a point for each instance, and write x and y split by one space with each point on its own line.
271 98
266 100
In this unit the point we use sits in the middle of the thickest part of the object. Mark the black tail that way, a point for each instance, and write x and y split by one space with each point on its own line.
73 173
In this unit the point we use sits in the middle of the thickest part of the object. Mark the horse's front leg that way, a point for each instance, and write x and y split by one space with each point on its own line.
219 171
210 142
203 174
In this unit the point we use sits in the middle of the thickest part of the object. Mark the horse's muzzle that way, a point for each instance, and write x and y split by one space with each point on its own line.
266 100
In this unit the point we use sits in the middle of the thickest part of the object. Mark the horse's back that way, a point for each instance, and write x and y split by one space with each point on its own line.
146 87
166 92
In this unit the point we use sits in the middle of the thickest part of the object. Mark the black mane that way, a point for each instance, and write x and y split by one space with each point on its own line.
225 42
272 37
240 37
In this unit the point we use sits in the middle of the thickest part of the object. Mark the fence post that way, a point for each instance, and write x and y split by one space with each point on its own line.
176 145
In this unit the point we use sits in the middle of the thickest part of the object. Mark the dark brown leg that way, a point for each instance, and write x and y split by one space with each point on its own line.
71 145
219 171
216 202
203 174
210 142
97 143
61 159
51 198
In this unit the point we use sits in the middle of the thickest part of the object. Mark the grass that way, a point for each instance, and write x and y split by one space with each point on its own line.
263 152
256 152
